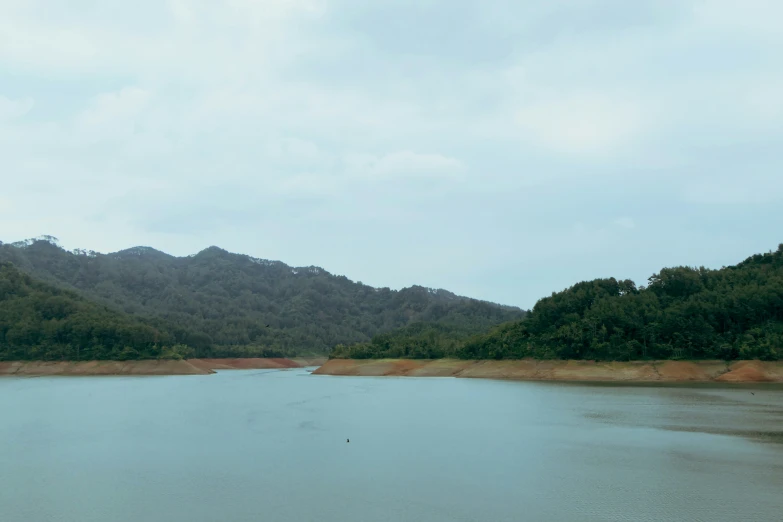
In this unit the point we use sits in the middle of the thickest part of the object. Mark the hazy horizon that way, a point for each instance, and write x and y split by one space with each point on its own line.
500 150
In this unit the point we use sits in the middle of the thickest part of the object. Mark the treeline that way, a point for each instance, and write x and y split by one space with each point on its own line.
417 341
229 305
42 322
683 313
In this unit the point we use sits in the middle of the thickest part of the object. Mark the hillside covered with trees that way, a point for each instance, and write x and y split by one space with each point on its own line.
735 312
221 304
41 321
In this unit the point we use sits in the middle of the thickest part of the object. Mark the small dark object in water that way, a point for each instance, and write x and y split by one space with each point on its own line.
267 326
347 440
752 393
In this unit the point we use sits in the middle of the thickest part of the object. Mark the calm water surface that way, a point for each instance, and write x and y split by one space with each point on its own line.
271 446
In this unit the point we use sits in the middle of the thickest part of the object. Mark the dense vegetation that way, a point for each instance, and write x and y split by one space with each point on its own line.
416 341
228 305
683 313
40 321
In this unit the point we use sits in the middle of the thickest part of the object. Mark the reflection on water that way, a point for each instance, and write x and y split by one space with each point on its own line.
752 412
259 445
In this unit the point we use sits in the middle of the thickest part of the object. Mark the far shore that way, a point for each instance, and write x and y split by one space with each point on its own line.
717 372
558 370
150 367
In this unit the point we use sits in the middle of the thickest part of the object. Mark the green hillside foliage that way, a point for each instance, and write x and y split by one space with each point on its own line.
684 313
417 341
40 321
230 305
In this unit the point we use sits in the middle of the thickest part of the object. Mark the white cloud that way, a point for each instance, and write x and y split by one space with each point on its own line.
254 12
758 18
294 150
625 222
11 109
42 46
764 100
6 206
404 163
113 115
586 124
748 189
295 125
181 11
308 185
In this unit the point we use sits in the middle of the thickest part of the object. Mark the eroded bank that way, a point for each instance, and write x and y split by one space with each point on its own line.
150 367
533 370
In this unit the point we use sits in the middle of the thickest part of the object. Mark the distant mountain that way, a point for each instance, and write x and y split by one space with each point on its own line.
224 304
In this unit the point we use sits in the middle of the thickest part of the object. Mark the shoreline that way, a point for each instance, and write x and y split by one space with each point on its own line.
633 372
150 367
649 372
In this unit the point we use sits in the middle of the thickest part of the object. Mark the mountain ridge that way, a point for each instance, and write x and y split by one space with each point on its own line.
227 304
143 250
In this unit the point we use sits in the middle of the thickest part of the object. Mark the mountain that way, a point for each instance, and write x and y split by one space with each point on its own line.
224 304
41 321
735 312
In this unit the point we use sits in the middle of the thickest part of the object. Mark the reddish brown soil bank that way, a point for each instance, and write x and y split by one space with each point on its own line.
31 368
189 367
528 369
256 363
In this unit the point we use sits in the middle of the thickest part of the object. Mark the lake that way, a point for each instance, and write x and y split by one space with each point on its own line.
261 445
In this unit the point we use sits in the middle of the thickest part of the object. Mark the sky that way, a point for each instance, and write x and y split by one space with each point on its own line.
501 149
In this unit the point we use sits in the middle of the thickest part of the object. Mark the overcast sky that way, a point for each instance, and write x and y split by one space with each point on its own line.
502 149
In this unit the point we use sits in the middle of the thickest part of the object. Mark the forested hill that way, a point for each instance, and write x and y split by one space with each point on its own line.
683 313
41 321
224 304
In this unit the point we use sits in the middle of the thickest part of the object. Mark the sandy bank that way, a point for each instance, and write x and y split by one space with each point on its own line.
40 368
532 370
257 363
151 367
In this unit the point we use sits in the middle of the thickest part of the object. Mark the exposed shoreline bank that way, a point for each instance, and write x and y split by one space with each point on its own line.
533 370
149 367
525 369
